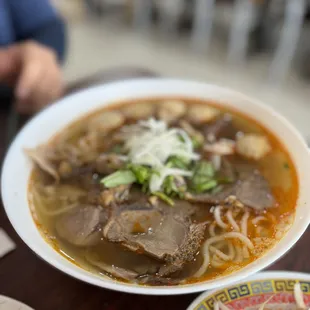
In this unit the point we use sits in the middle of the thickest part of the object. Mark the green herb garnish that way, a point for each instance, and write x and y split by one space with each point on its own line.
142 173
121 177
178 162
204 177
174 186
286 166
203 187
197 141
164 198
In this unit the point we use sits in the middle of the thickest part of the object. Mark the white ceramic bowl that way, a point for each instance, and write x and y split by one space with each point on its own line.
17 168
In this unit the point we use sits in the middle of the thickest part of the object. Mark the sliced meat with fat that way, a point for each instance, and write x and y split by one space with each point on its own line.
82 226
165 234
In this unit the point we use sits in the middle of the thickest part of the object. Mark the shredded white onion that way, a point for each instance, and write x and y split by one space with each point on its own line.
158 178
151 143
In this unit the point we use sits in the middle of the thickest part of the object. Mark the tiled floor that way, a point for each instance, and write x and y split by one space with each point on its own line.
97 45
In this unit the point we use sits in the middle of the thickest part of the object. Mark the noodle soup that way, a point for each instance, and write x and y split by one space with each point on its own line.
163 191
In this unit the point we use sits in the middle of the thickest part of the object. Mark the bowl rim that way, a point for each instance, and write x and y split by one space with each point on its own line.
140 289
264 275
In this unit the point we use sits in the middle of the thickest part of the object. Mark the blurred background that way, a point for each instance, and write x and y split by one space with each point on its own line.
260 47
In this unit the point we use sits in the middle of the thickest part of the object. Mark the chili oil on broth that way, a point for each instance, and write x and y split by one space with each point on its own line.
276 166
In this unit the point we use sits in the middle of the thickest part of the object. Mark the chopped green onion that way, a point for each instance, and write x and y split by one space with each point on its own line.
164 198
224 180
142 173
178 162
173 187
121 177
217 189
203 178
203 187
168 185
205 168
197 141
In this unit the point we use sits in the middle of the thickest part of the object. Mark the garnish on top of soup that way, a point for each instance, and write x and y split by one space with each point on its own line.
163 192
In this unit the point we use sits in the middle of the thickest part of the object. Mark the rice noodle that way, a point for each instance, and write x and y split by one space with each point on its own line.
258 231
272 218
231 220
298 295
220 254
216 262
212 229
258 219
40 205
206 246
218 219
244 223
239 254
245 252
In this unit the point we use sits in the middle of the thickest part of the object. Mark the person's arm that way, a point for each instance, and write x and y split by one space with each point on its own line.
38 20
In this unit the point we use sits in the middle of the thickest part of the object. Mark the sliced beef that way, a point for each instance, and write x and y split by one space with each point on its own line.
220 128
166 234
108 197
108 163
82 226
255 192
252 191
157 280
117 272
227 172
40 157
187 250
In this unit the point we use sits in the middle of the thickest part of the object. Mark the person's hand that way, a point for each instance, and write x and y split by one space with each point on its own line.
35 73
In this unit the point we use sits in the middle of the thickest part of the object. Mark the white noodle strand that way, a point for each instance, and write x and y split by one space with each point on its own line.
245 252
239 255
220 254
218 219
212 230
205 248
258 219
244 223
232 221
